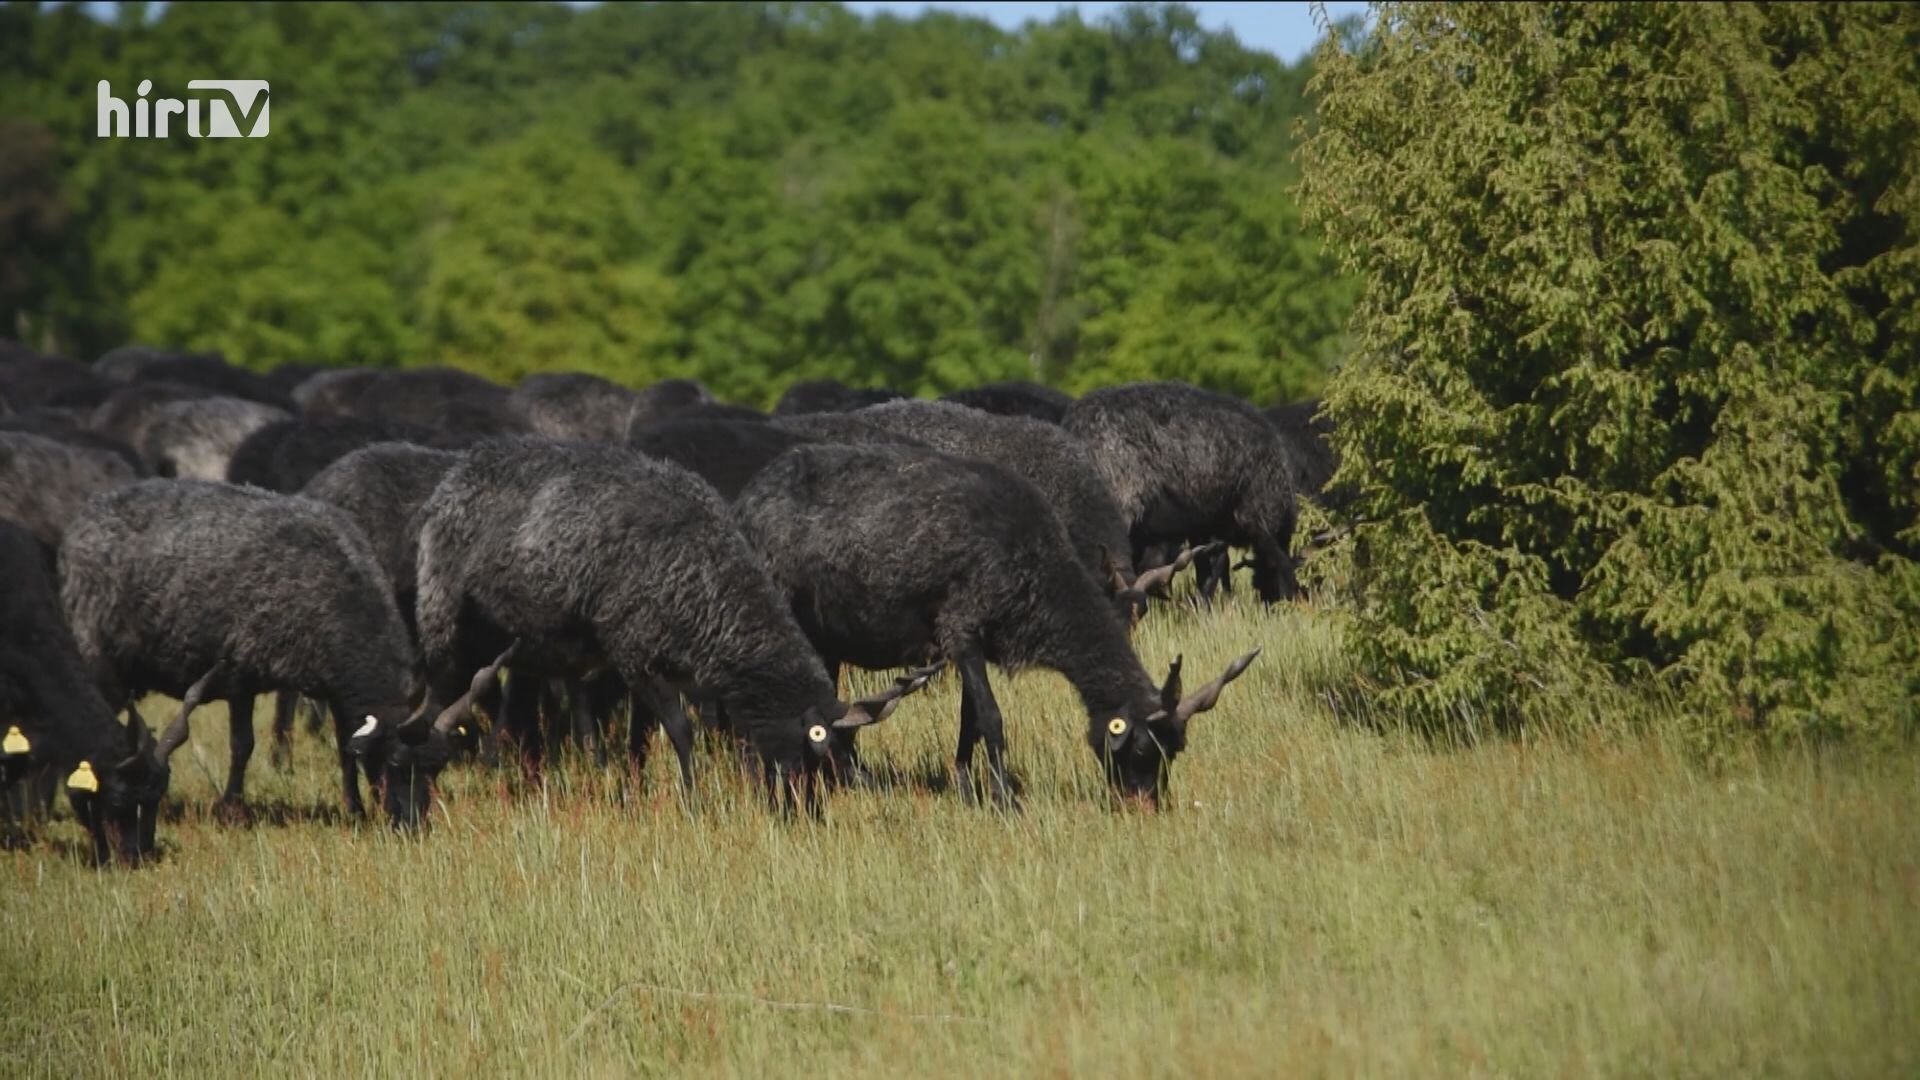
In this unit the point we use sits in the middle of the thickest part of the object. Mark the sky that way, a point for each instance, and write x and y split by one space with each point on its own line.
1283 29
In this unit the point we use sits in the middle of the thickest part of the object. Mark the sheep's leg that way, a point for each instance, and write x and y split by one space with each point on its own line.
855 774
286 705
555 722
350 765
969 738
520 720
641 722
1215 572
661 700
1273 569
987 725
233 801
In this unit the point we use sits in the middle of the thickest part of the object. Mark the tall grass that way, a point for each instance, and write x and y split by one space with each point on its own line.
1318 899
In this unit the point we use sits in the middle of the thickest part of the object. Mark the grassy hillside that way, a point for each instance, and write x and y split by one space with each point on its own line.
1320 900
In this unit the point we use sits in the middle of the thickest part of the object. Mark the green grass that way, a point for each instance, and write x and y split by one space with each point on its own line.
1318 900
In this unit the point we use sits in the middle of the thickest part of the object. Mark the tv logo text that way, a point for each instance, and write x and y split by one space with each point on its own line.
225 105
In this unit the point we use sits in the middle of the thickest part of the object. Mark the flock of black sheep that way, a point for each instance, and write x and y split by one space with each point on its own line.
381 543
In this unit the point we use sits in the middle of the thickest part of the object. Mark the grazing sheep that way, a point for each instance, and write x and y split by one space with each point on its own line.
1308 434
1027 399
895 555
286 455
849 428
711 410
381 489
828 395
204 590
54 725
1192 466
571 558
70 426
1057 464
286 378
197 439
209 371
334 392
576 406
44 484
587 408
442 399
30 380
725 453
669 398
128 411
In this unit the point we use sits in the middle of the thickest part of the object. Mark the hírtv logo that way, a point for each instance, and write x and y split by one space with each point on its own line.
228 100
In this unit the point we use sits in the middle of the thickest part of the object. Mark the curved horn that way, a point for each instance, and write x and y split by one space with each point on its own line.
462 705
1170 690
1154 582
1207 696
872 710
176 734
1116 581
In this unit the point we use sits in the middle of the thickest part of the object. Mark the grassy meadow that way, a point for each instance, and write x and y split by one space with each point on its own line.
1318 900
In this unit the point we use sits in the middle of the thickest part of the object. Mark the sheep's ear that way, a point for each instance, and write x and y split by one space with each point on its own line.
1170 690
139 745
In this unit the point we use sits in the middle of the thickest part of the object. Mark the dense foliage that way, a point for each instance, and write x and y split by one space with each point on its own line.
1635 384
749 194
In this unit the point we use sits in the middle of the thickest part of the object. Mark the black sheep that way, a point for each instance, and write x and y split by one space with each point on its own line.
442 399
196 439
209 371
380 487
575 558
128 411
286 378
70 426
1027 399
669 398
725 453
54 725
44 484
573 405
828 395
1308 435
203 590
1057 464
286 455
896 555
709 410
30 380
1192 466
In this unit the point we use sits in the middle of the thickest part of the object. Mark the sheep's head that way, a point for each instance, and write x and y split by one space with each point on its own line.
1131 598
405 758
1137 748
119 800
830 738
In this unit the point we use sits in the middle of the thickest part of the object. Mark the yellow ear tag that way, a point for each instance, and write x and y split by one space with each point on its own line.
818 733
83 778
15 743
1116 727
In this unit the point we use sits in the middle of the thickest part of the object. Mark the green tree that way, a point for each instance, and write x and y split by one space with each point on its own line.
1634 388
